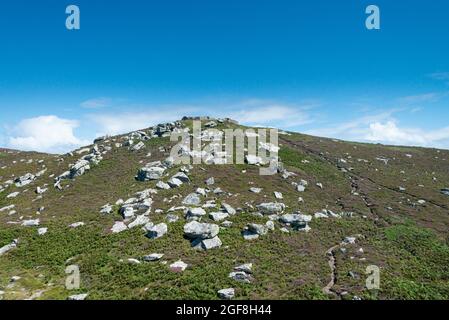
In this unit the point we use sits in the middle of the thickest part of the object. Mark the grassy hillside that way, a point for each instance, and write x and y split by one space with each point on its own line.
399 217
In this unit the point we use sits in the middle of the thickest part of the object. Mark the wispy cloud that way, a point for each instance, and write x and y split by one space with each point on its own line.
440 76
271 113
96 103
420 98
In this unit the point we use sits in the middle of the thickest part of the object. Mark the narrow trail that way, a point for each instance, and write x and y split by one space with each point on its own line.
333 266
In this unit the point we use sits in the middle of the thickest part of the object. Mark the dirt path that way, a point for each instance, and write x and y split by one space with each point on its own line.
332 264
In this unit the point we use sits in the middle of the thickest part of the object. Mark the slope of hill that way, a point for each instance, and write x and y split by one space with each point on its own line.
362 205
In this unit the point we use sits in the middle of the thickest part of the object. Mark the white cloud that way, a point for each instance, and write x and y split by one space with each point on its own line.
421 98
389 132
45 134
96 103
384 128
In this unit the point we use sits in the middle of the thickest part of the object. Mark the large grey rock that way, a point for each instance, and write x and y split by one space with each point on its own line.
12 195
246 267
226 207
79 168
24 180
241 277
178 266
182 176
192 199
150 173
207 244
249 235
8 247
218 216
119 226
139 221
7 208
210 181
162 185
257 228
194 230
294 218
174 182
226 294
271 207
196 212
138 146
157 231
31 223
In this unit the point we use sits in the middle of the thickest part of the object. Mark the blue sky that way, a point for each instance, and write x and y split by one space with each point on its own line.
308 66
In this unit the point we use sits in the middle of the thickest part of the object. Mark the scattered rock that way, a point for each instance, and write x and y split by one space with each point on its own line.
42 231
153 257
178 266
7 208
9 247
257 229
24 180
76 225
119 226
210 181
249 235
195 212
133 261
271 207
31 223
106 209
349 240
247 268
192 200
226 294
207 244
227 208
174 182
255 190
150 173
78 297
194 230
218 216
12 195
157 231
139 221
162 185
